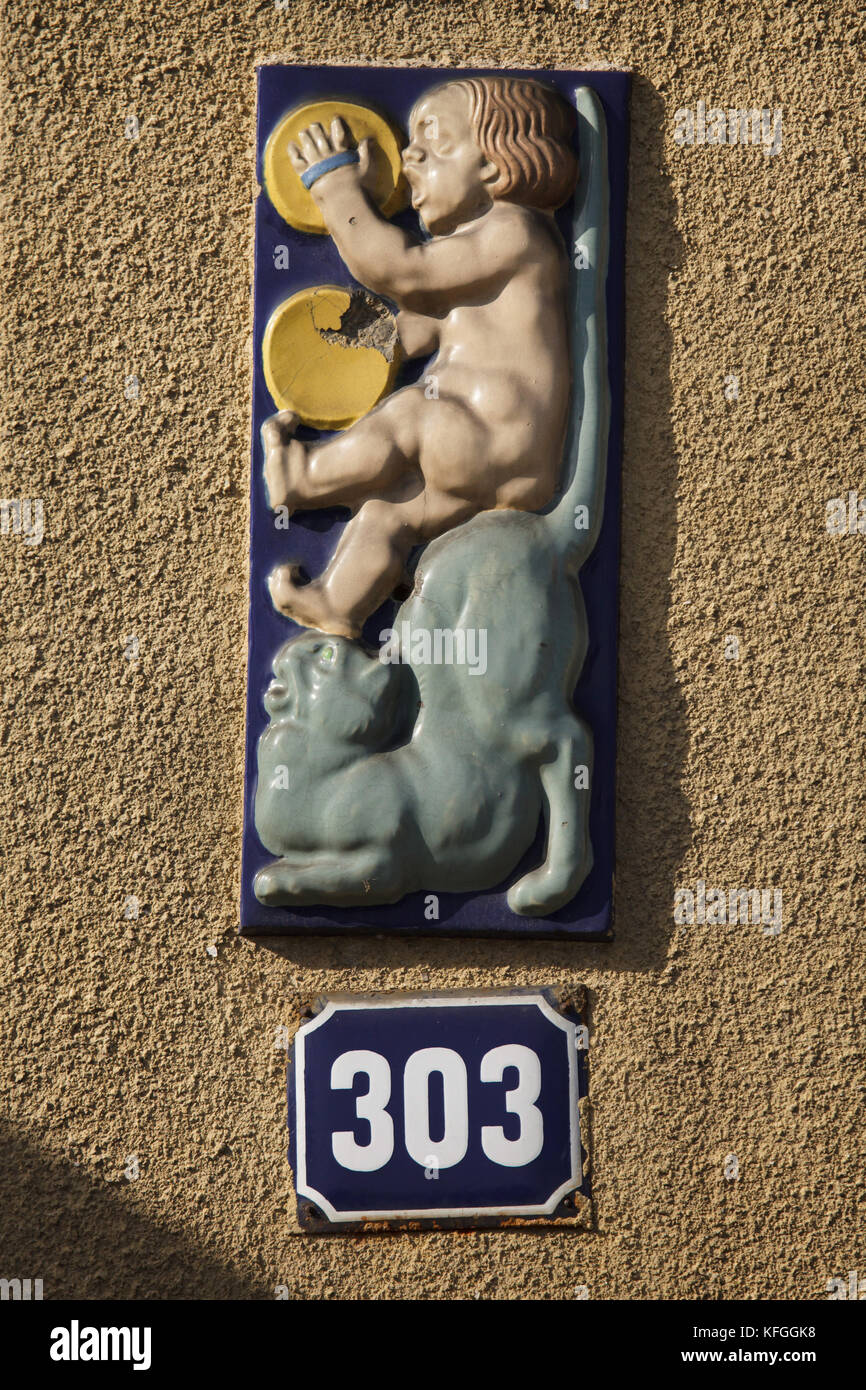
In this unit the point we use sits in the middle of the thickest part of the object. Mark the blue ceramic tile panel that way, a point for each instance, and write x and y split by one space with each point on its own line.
314 260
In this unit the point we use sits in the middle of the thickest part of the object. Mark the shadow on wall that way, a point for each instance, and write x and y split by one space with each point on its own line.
85 1240
652 820
653 831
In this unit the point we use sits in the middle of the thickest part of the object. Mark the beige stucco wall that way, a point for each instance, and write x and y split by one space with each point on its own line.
125 1036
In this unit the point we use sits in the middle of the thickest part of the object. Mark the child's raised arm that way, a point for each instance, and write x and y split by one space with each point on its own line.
420 274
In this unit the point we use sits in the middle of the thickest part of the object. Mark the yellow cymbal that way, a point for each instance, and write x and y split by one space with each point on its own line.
330 354
284 188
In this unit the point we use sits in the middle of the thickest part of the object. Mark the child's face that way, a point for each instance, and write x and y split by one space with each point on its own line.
446 171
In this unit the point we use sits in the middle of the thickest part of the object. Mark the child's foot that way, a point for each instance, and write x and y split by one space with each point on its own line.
285 457
307 604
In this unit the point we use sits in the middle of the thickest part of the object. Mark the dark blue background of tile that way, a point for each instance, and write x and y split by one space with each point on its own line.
313 260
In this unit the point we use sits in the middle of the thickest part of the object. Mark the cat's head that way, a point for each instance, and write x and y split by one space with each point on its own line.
332 689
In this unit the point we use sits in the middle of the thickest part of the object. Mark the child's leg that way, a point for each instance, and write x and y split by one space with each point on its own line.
374 452
368 562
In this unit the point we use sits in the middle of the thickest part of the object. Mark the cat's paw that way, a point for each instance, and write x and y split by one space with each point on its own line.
275 884
546 889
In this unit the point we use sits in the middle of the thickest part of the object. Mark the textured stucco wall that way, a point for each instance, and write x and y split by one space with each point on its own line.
125 1036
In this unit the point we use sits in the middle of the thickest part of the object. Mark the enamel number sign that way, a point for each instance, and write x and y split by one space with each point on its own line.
446 1110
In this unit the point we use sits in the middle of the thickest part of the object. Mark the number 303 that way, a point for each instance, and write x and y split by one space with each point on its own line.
451 1148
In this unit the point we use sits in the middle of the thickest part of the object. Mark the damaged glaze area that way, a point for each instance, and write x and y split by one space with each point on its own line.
329 354
367 323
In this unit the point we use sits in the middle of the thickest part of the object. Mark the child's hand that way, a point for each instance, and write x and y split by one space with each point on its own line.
314 146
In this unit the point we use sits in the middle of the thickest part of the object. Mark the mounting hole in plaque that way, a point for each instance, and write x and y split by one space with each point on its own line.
293 202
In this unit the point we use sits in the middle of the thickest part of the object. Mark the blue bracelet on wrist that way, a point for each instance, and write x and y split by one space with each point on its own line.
324 166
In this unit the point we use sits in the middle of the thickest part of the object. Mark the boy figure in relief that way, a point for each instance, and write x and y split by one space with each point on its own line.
489 161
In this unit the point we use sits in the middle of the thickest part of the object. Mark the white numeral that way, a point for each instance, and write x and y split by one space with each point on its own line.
514 1153
364 1158
416 1102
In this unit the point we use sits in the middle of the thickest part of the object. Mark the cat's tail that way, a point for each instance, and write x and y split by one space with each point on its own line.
575 517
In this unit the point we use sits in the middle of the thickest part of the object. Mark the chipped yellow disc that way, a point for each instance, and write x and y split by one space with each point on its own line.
330 354
285 190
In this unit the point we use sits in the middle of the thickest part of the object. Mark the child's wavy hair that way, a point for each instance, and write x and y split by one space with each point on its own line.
527 131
